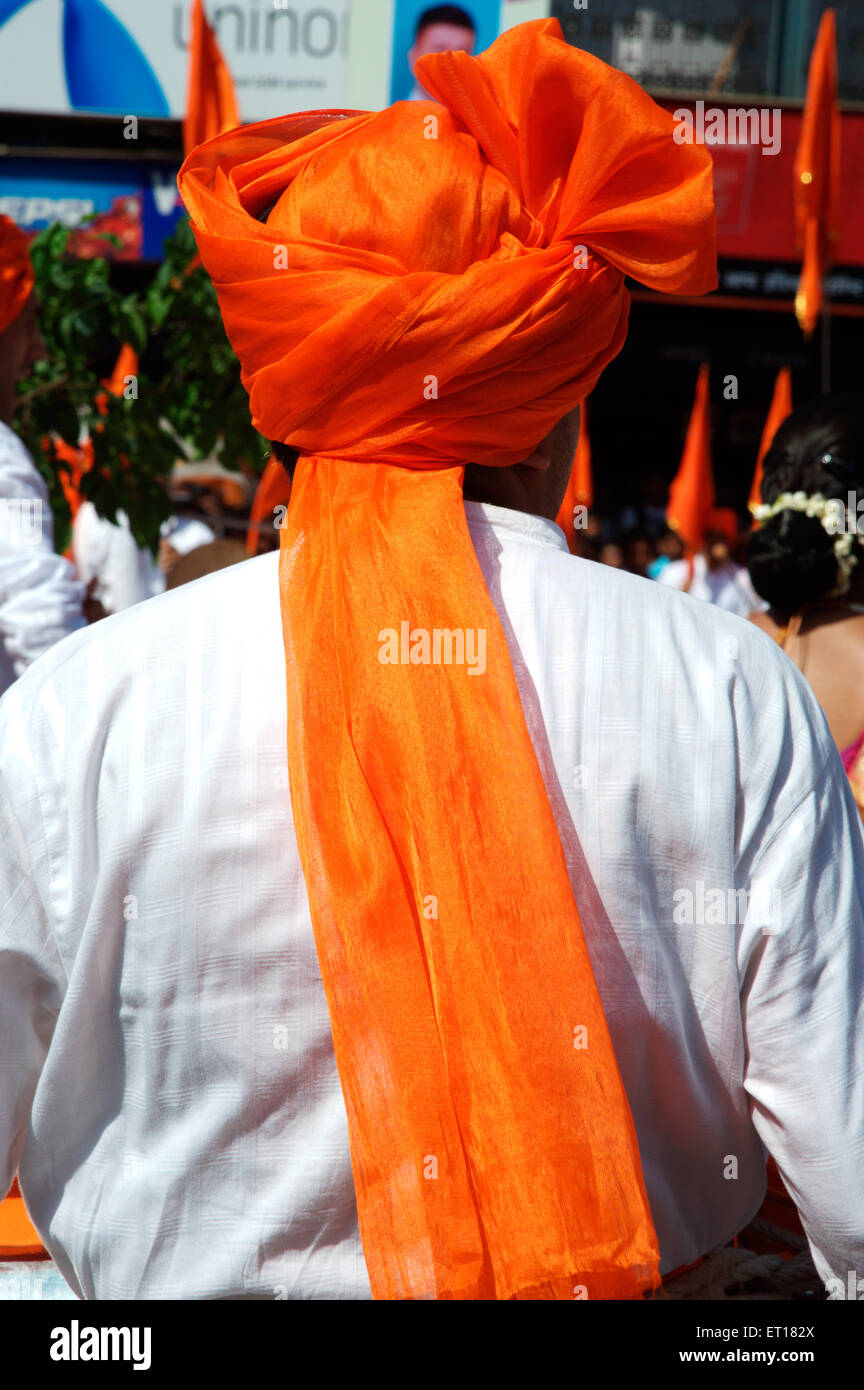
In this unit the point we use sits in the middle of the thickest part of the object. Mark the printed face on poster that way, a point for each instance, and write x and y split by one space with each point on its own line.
420 27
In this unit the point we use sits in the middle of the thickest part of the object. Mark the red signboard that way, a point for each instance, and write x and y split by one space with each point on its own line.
753 187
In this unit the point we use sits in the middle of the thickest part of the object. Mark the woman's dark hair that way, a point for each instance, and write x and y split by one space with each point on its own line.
818 448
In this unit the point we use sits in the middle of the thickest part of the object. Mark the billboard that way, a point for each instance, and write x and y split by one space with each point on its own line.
124 57
129 57
136 203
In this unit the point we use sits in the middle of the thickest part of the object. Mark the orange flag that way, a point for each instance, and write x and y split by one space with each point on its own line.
126 365
80 461
691 495
780 407
80 457
273 490
817 175
490 1162
580 489
211 103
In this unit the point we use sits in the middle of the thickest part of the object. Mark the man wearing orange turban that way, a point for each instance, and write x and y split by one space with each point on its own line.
40 599
339 1028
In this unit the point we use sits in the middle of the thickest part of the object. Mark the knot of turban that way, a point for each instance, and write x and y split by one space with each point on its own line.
408 291
16 272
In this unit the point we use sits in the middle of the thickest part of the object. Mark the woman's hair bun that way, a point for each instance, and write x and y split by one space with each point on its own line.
819 448
791 561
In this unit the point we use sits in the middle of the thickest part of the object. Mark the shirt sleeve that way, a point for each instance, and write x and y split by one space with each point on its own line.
32 979
40 598
802 1000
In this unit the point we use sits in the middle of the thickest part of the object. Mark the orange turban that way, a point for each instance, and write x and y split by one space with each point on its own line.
16 272
724 520
437 284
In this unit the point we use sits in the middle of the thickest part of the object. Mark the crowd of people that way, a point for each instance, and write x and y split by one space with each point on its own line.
716 571
337 962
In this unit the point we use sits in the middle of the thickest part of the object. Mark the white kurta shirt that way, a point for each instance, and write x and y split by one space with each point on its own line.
40 598
167 1078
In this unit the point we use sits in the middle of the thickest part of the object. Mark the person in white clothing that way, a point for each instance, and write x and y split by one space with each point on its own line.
117 571
713 576
40 598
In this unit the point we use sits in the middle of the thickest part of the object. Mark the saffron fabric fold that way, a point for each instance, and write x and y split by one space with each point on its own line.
438 283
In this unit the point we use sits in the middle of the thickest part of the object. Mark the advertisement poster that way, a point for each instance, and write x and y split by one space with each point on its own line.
120 57
138 204
124 57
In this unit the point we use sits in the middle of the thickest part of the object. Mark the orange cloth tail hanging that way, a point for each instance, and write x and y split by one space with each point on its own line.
780 407
691 494
580 488
817 175
443 317
211 102
465 973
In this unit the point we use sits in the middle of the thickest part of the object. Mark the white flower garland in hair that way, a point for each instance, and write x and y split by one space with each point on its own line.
831 513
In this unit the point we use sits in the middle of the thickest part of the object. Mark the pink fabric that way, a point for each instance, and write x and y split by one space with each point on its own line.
851 753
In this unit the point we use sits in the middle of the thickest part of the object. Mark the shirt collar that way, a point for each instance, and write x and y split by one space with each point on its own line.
539 529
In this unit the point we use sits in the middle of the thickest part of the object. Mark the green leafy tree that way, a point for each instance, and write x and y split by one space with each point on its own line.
187 400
